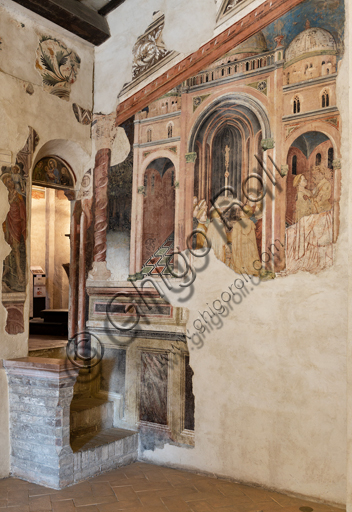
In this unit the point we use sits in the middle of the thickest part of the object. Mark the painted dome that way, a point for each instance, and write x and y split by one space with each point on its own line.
317 41
255 44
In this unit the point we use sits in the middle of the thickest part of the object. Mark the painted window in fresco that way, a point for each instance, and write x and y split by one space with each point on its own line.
120 189
53 172
154 385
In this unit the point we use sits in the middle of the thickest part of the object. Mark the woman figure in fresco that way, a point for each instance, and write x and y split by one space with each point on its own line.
244 243
14 227
304 205
217 235
52 172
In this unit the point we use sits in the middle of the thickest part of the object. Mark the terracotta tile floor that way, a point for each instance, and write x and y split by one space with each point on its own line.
147 488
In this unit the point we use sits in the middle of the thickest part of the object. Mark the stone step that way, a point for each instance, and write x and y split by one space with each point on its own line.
38 326
109 449
55 315
90 415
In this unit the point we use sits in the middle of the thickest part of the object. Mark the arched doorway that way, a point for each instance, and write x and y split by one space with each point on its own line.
52 179
226 138
158 210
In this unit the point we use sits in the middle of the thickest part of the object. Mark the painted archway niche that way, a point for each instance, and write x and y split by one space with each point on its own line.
158 215
312 202
53 184
228 146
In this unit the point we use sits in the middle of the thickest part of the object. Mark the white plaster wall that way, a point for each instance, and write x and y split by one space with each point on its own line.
270 381
118 255
53 119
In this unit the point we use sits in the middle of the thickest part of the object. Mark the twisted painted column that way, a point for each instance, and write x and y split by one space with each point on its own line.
102 164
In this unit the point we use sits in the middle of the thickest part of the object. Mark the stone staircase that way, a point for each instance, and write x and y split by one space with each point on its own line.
51 322
96 444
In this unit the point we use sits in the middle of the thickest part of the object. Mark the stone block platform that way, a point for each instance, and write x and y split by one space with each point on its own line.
109 449
40 396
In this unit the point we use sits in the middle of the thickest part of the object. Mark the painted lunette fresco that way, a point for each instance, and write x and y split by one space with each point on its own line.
267 107
53 172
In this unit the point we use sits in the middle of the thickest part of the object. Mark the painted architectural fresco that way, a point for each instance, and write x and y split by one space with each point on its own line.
57 65
267 107
54 172
14 278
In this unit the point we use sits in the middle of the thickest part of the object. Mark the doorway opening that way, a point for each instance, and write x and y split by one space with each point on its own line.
50 249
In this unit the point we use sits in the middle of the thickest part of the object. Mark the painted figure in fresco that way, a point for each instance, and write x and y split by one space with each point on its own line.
304 203
309 244
202 225
65 177
195 212
14 227
52 172
18 180
257 218
39 172
217 235
244 243
322 190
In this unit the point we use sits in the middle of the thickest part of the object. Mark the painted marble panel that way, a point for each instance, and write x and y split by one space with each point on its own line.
189 396
154 386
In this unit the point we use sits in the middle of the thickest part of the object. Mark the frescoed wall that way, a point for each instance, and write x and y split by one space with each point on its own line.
266 109
33 125
263 401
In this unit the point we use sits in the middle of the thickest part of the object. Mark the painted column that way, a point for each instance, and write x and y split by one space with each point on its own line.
269 204
135 200
81 316
189 191
279 213
103 132
74 241
102 164
336 198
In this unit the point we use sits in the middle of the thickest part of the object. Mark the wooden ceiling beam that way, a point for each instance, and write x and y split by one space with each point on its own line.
249 25
110 6
73 16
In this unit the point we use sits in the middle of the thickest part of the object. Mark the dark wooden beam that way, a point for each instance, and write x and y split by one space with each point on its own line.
249 25
110 6
73 16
